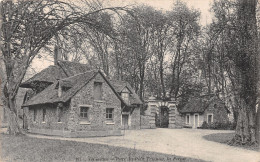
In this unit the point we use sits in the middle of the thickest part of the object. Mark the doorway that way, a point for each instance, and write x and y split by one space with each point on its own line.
196 120
125 123
162 119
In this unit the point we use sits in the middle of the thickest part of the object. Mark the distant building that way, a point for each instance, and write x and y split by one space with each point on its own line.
204 109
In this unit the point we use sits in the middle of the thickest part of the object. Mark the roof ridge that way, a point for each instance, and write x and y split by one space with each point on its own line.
71 62
78 74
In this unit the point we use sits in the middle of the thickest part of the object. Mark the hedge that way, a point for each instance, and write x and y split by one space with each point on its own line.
218 125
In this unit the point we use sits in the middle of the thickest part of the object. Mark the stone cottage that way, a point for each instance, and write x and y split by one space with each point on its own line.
70 100
204 109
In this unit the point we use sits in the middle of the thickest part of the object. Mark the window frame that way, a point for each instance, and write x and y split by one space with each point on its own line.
109 113
125 98
211 117
94 90
86 112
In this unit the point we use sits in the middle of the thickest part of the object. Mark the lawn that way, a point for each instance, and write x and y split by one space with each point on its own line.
225 138
24 148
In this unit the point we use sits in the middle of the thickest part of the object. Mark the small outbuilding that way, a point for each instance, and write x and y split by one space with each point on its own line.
208 109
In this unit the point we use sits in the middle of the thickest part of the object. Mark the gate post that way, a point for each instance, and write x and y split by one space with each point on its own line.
152 106
175 120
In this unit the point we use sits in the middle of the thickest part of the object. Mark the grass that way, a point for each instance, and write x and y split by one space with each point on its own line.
225 138
24 148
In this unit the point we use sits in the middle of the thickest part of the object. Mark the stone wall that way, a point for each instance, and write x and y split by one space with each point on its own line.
219 112
97 108
145 121
135 119
175 119
51 119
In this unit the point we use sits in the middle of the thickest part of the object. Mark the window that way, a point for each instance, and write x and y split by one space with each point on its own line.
60 112
109 114
125 96
210 118
215 106
188 119
84 113
34 114
97 91
43 115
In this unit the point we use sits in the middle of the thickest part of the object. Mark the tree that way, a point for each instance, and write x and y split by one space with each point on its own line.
27 28
185 31
247 68
137 35
236 32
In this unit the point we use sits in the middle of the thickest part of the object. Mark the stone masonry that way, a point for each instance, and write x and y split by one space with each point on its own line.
175 119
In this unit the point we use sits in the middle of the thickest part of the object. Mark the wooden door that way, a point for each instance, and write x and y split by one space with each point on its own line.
125 121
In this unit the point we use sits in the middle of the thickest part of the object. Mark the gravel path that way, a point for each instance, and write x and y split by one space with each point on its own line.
182 142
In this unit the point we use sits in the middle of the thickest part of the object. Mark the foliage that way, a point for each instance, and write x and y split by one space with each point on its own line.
219 125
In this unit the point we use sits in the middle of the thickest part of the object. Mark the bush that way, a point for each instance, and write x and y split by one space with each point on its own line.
218 125
204 125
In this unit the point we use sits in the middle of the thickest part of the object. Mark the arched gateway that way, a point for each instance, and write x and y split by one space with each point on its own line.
163 113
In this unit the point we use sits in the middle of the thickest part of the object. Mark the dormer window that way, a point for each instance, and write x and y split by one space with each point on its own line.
97 91
125 95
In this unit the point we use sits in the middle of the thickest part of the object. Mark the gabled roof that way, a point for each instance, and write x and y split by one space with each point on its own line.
74 83
62 70
77 83
195 105
120 85
50 94
199 105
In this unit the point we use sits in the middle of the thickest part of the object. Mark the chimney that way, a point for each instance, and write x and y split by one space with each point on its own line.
57 55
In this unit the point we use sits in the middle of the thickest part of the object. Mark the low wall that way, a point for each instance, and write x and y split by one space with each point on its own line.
65 133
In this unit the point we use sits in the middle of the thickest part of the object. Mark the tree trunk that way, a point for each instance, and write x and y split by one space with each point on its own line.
141 90
13 124
258 123
162 78
245 129
246 65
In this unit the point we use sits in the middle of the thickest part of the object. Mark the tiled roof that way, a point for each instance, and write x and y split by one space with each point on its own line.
200 104
48 95
120 85
77 83
62 70
73 76
195 105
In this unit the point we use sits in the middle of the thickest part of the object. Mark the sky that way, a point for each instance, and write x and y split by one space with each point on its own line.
39 64
202 5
